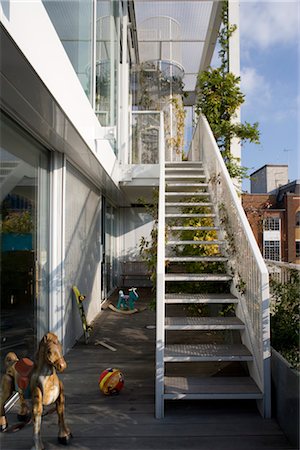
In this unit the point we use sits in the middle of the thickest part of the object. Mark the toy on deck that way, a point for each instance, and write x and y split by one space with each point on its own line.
45 387
111 381
127 301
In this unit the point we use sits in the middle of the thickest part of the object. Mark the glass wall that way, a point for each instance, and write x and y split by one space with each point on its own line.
107 60
24 240
73 21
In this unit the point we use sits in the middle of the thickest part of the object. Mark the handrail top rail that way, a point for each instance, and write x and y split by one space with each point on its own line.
145 112
248 231
282 264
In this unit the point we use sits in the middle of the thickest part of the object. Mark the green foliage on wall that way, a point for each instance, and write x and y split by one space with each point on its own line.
285 317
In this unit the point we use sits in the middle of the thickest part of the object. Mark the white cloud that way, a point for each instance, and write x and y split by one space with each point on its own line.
267 23
255 87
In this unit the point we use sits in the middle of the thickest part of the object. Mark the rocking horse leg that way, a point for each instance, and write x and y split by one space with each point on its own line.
37 410
24 411
64 434
7 386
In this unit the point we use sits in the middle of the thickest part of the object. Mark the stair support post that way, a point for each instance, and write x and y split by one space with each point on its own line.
160 281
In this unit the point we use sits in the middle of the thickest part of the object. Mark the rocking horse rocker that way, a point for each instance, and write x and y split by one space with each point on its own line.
40 378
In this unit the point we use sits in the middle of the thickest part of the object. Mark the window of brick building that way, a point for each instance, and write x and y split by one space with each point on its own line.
272 223
298 219
272 250
297 249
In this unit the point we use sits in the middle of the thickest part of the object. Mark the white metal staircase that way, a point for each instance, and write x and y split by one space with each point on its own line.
211 355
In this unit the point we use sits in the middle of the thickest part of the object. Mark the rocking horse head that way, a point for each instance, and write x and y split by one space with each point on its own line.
50 352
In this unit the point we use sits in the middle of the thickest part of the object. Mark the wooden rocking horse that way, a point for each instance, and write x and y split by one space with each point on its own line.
45 387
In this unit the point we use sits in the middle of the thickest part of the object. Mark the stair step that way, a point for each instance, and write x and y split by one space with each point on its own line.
177 388
191 215
204 323
183 163
185 169
206 352
176 204
185 176
200 298
188 228
196 258
213 242
197 277
186 185
187 194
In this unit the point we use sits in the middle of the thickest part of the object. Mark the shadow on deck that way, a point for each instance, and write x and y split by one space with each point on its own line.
126 421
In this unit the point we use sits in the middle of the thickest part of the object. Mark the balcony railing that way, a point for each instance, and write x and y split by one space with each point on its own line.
251 278
281 271
145 137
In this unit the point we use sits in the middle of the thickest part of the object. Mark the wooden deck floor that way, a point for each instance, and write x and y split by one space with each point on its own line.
126 421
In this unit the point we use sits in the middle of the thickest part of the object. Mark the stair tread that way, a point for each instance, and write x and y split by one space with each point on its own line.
184 169
190 228
170 204
206 352
197 277
191 194
211 385
205 321
172 296
190 215
185 176
196 258
183 163
196 242
187 184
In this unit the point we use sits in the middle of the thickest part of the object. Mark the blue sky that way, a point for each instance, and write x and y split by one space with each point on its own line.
270 79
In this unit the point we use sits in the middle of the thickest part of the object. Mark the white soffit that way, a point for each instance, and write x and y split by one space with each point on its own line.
181 31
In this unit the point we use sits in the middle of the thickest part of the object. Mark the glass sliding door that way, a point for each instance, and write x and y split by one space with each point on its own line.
24 240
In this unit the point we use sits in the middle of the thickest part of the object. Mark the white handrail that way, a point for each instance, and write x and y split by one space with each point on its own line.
160 278
251 279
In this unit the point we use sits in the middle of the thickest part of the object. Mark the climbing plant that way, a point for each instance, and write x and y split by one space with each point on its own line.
285 317
219 97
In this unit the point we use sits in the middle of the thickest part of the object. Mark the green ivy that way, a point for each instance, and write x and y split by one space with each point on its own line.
219 97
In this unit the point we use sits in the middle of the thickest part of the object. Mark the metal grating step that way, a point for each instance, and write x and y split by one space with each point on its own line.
191 215
203 323
177 388
188 228
213 242
186 185
179 204
185 169
183 163
197 277
185 177
200 298
196 259
187 194
206 352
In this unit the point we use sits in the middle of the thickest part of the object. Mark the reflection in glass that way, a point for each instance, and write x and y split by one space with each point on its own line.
24 241
73 21
107 59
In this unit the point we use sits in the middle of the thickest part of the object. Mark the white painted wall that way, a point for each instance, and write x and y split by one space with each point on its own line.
136 222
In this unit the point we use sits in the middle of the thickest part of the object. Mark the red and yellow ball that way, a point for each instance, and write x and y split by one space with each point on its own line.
111 381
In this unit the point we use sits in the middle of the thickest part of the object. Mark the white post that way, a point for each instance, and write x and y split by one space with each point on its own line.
56 263
234 61
160 280
124 97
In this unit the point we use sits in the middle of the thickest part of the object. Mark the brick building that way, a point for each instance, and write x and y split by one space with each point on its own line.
275 219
